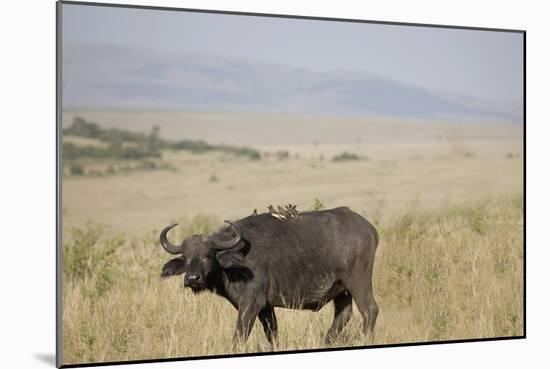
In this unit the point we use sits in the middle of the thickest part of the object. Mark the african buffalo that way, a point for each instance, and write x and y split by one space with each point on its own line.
261 262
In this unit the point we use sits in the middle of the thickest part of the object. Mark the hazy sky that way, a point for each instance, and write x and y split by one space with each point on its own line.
481 64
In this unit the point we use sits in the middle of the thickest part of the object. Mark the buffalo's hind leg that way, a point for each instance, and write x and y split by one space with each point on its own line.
361 290
269 322
342 313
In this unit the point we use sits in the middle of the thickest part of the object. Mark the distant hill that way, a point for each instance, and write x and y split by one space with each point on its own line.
100 76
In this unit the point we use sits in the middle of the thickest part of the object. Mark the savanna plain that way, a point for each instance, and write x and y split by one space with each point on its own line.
446 198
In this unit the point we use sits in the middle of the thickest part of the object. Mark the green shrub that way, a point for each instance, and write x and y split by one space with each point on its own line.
200 147
76 170
317 205
191 145
88 255
282 155
346 156
114 151
143 145
82 128
248 153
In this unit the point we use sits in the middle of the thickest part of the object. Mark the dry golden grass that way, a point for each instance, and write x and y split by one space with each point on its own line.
447 203
139 201
453 273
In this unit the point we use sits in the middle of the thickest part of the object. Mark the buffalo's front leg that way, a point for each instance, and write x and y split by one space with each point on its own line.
269 322
248 312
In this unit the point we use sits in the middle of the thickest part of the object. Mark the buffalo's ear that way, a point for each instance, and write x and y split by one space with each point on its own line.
230 259
173 267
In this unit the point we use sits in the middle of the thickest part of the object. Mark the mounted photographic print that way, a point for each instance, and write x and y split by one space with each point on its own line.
242 184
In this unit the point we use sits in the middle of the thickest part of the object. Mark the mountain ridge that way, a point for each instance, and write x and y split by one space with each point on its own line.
96 76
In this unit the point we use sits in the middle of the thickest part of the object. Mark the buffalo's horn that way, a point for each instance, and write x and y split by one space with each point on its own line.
166 244
221 245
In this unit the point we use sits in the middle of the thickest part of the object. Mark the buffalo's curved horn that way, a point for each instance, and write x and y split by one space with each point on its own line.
172 249
223 245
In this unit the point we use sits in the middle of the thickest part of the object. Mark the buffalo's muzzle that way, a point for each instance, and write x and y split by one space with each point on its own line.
193 280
